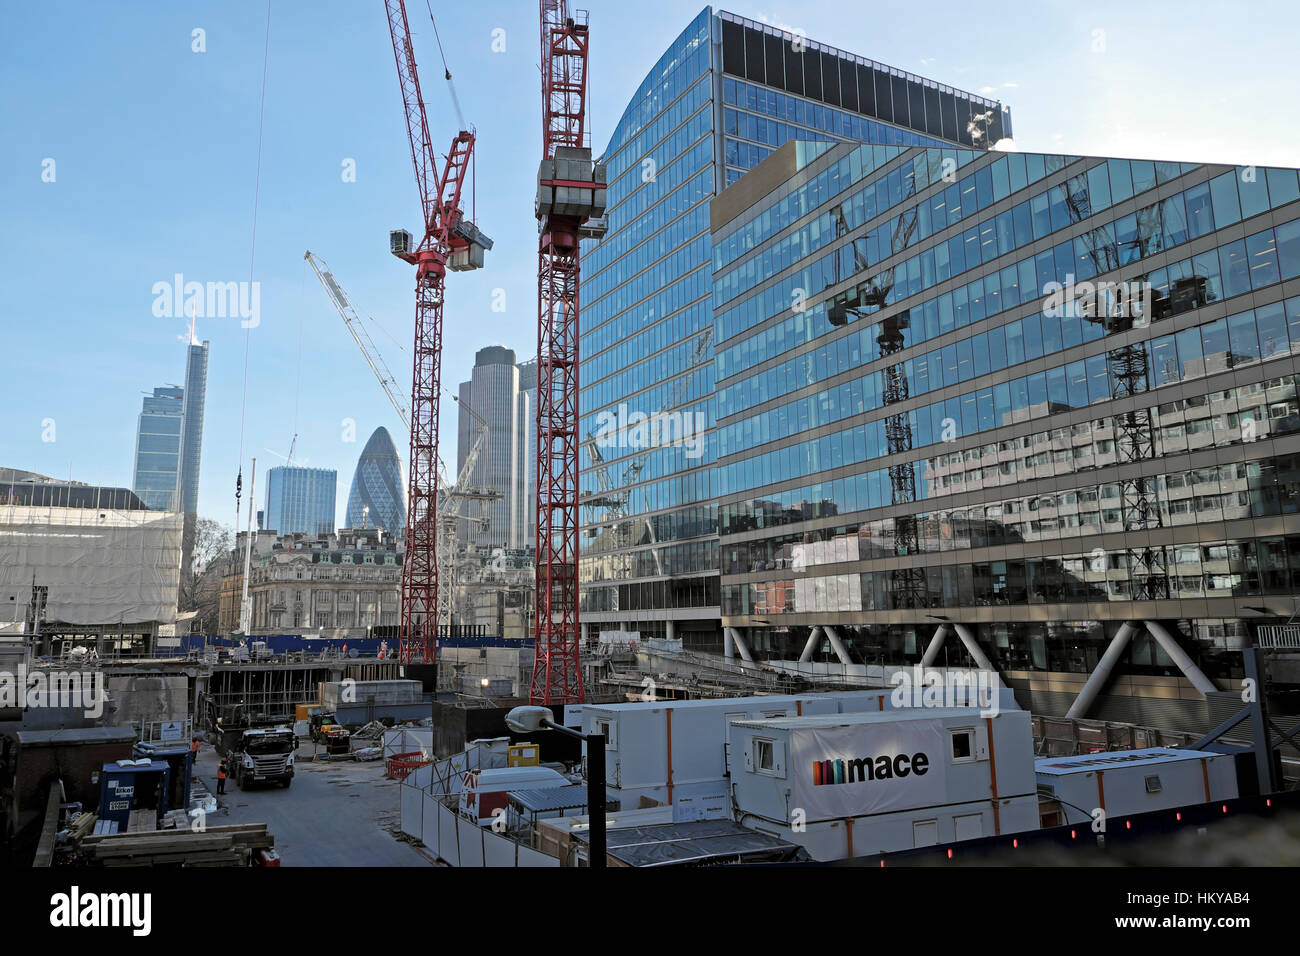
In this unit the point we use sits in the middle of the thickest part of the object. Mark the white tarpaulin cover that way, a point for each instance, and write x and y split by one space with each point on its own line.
831 776
101 566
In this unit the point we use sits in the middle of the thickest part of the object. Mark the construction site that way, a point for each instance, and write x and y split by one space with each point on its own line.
641 671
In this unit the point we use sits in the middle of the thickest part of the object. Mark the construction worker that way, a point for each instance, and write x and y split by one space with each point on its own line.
194 749
221 776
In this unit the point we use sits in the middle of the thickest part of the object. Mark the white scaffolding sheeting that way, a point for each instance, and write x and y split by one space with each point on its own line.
102 566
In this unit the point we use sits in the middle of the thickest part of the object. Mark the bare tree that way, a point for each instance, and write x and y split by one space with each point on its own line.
200 588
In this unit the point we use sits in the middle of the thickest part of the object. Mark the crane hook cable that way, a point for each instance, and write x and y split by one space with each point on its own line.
455 100
252 257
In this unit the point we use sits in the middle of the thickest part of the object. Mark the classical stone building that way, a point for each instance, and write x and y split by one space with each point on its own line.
336 585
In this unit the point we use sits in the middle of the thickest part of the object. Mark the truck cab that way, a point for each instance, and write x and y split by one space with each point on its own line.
262 756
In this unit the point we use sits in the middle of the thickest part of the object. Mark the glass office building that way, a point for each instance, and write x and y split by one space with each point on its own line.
300 500
501 395
724 95
1045 400
157 479
377 498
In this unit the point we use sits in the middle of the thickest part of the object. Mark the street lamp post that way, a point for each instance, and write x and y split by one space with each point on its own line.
527 720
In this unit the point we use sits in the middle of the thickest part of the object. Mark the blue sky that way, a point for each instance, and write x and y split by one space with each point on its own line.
154 150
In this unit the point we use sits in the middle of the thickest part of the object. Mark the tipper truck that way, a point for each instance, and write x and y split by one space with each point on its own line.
262 756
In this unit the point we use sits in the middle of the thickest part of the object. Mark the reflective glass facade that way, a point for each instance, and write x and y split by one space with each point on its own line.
923 416
196 390
500 394
719 101
377 497
300 500
158 449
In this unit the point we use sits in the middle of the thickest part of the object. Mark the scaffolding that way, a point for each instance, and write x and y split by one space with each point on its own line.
98 567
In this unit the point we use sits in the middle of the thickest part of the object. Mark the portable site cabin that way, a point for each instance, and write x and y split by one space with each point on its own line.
1128 782
858 784
487 792
675 752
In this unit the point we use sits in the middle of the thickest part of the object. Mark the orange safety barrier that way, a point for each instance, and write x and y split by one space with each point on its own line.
399 765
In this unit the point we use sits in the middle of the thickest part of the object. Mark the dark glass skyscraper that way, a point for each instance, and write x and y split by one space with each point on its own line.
377 499
721 98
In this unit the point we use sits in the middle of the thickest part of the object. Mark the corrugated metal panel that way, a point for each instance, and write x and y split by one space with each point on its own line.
1052 703
1184 714
1121 708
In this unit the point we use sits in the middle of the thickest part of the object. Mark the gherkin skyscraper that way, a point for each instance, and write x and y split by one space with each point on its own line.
377 486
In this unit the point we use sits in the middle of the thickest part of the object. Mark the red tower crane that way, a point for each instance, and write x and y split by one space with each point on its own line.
570 204
450 242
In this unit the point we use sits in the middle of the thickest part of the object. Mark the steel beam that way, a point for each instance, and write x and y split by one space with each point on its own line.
1180 657
837 645
973 648
809 649
935 646
1102 672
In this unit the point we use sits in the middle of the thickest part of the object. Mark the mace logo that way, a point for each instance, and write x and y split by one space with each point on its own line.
863 769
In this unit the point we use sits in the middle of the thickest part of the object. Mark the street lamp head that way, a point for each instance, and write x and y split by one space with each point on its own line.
527 720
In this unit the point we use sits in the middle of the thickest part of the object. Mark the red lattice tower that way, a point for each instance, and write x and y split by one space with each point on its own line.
449 242
570 201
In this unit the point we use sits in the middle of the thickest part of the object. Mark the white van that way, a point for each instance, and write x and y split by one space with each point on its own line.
484 791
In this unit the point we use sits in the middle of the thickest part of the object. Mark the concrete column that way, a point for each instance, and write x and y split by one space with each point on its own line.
1102 673
1185 664
809 649
732 641
837 645
936 645
670 633
973 648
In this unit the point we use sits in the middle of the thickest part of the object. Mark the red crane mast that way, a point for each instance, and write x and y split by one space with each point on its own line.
450 241
570 204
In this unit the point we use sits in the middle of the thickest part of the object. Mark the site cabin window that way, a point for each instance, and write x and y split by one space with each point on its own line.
963 745
607 728
766 756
